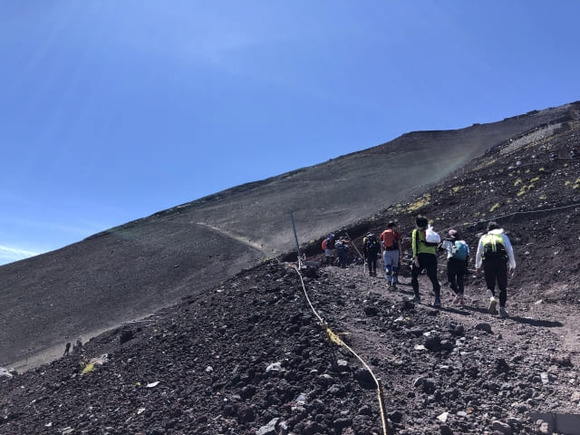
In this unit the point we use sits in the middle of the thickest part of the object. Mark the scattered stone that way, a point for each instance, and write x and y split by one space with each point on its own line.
395 416
269 429
486 327
126 335
274 367
433 343
6 373
501 427
427 384
365 378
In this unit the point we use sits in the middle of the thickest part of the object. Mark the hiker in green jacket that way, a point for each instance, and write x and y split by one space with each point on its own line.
425 258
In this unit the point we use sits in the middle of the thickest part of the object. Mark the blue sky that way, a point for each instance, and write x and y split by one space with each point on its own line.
113 110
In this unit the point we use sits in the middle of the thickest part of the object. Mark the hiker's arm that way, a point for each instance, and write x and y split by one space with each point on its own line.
478 255
510 251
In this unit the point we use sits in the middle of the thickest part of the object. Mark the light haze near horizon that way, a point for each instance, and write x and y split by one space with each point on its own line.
112 111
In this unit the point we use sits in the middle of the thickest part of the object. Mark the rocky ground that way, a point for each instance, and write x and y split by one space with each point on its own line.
250 356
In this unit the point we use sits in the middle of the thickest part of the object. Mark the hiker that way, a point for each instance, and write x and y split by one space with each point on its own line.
392 246
342 248
67 349
371 251
78 346
457 261
328 247
495 252
424 244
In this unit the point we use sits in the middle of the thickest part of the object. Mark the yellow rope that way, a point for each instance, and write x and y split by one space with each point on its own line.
337 340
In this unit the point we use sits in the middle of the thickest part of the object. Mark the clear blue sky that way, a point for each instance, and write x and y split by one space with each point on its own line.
113 110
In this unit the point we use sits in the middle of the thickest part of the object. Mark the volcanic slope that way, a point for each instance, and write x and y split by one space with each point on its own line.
135 269
250 356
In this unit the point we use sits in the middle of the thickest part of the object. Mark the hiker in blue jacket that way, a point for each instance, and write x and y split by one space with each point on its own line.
457 261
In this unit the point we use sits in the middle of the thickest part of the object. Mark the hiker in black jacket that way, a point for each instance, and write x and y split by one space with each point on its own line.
371 251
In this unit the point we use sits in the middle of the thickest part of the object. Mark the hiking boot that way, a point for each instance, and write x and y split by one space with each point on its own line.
416 299
437 303
458 300
503 313
394 286
492 308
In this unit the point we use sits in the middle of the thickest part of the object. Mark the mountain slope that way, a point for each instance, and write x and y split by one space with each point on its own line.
135 269
249 355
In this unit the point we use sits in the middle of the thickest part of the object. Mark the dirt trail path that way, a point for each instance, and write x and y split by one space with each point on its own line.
537 346
234 237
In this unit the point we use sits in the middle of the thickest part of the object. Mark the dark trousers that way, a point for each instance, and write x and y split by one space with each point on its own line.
426 262
372 261
342 257
456 270
493 271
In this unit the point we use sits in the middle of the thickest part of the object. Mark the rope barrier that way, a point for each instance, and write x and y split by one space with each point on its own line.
337 340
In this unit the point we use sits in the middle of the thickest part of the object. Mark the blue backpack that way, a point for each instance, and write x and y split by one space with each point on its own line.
459 250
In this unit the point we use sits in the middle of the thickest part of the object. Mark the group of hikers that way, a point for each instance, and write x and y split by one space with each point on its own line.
494 258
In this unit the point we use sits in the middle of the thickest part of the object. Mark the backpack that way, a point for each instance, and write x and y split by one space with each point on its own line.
432 238
330 242
341 246
371 243
459 251
493 247
389 241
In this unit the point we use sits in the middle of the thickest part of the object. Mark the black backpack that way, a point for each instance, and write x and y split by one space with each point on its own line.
371 243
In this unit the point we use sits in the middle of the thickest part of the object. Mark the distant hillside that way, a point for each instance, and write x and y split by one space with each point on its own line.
133 270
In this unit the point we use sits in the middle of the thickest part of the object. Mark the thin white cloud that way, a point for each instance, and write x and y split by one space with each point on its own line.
9 254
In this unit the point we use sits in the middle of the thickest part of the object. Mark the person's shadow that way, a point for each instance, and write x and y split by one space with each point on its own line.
519 319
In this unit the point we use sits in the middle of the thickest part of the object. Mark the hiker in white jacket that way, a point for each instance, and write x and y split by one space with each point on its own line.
495 254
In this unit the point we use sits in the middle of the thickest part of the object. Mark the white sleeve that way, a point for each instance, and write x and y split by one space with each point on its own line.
510 251
479 255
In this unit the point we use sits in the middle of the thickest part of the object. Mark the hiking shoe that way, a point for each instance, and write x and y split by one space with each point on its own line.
458 300
394 286
492 308
437 303
416 299
503 313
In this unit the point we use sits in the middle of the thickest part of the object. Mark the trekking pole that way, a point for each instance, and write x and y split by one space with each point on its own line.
296 239
357 251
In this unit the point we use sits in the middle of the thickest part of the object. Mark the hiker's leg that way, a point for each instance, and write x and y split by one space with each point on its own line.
415 271
388 266
489 271
395 265
460 280
432 274
502 282
452 275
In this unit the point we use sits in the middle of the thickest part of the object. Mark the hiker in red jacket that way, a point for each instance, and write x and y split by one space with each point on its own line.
328 247
391 245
